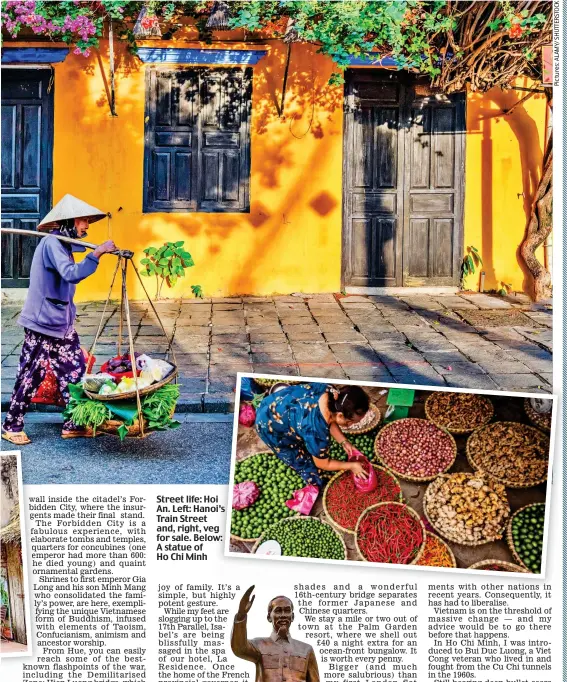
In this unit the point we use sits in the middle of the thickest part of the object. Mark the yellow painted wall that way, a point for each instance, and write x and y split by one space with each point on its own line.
291 239
503 165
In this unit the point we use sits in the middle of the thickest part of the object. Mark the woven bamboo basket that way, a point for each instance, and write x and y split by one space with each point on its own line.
401 505
427 498
542 421
343 473
432 399
510 537
445 545
369 427
479 433
506 565
110 427
299 518
268 383
132 394
408 477
291 513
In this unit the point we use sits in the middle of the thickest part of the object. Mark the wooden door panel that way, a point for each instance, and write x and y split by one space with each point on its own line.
27 141
433 199
9 146
442 230
385 249
403 183
372 191
443 148
361 151
418 248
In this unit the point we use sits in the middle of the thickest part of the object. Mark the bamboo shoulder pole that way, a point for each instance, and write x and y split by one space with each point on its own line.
79 242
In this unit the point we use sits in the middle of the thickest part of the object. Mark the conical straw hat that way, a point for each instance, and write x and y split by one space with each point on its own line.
69 207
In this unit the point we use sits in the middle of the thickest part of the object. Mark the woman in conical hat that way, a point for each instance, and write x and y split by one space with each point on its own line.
48 315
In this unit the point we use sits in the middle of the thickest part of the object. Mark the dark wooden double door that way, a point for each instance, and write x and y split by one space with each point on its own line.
27 140
403 182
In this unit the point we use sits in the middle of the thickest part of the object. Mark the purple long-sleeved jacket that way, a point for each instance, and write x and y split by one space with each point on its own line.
49 307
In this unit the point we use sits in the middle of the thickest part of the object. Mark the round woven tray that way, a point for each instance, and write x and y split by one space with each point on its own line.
268 383
429 494
299 518
510 537
381 504
369 427
132 394
292 513
408 477
431 400
512 568
449 550
471 442
335 478
542 421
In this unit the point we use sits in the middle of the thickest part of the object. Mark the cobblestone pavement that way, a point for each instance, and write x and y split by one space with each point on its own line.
467 340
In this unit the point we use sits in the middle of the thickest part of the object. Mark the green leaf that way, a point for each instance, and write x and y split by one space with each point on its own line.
122 432
144 273
179 243
145 261
164 261
168 253
151 250
188 262
197 290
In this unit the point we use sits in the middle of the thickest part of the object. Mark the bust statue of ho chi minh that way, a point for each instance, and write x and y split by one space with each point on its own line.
278 658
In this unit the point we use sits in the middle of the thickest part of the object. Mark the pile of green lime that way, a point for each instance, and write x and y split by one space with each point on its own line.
306 537
362 441
527 535
277 483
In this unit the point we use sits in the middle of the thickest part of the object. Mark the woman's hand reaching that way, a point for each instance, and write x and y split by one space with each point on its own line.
348 447
358 470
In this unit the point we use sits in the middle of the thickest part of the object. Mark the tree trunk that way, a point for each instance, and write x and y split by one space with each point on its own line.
539 228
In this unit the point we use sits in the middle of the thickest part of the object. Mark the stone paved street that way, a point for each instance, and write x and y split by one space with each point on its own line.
412 338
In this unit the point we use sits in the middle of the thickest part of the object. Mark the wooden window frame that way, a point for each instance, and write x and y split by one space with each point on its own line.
197 203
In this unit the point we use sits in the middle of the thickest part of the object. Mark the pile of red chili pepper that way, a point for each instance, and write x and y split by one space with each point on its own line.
345 503
435 553
390 534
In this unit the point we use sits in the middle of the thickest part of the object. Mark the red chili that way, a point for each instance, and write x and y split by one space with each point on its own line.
345 503
390 534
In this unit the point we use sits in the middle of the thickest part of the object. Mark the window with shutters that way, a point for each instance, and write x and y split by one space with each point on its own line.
197 141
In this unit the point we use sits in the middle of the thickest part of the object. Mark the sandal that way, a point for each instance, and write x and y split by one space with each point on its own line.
16 437
83 433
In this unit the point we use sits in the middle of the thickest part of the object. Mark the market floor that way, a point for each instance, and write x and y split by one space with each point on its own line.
466 340
198 452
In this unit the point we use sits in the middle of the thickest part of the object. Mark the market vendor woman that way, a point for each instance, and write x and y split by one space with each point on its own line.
48 315
297 423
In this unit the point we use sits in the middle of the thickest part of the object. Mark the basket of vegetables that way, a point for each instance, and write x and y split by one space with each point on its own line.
367 424
524 535
277 483
515 454
497 565
305 536
152 374
390 533
120 366
468 509
436 553
458 412
415 449
122 418
540 419
344 503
